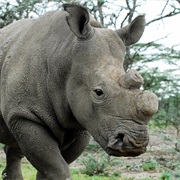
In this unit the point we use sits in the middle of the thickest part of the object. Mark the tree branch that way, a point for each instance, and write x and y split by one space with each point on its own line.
122 24
165 7
173 13
99 6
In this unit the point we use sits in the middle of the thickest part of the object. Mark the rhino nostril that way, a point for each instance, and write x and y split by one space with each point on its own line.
120 138
116 142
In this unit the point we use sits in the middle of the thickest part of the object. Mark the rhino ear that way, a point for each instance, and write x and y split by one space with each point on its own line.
78 21
131 33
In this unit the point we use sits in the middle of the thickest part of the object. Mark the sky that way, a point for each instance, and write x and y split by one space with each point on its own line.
167 27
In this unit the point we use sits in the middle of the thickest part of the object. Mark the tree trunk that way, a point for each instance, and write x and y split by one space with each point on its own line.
101 16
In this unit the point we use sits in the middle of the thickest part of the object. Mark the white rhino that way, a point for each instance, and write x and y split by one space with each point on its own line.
62 80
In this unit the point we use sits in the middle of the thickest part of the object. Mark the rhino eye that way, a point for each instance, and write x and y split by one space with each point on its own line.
99 92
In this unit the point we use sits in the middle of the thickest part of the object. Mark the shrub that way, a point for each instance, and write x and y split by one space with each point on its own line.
167 175
150 165
96 165
177 175
117 174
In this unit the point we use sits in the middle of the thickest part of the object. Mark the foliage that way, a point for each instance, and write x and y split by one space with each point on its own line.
165 84
29 173
95 165
149 165
1 146
77 175
93 147
12 12
99 164
167 175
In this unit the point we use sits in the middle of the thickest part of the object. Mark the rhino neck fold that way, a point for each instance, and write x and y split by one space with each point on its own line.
58 73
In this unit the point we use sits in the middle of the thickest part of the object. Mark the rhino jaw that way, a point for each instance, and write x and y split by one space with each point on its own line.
125 152
122 145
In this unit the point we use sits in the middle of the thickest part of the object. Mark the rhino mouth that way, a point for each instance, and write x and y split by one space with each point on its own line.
125 145
125 152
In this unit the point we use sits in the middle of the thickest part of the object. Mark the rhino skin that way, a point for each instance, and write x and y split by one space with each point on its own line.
62 80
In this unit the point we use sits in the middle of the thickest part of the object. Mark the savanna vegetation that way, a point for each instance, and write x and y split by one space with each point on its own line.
162 158
160 162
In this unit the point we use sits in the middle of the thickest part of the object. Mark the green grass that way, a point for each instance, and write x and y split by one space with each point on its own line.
29 173
167 175
1 145
149 166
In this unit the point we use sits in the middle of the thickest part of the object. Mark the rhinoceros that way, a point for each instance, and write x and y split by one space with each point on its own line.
62 81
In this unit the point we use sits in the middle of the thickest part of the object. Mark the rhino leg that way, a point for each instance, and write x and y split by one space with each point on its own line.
41 149
13 164
77 147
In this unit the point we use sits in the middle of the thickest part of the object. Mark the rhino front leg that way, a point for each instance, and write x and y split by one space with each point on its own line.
76 148
41 149
13 164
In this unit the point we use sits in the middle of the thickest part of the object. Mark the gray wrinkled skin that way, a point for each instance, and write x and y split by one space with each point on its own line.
62 79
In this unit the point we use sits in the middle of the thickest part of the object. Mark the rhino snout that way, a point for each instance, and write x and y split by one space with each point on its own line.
131 80
124 145
147 103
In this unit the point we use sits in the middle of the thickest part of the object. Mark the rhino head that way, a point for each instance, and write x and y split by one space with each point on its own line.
106 100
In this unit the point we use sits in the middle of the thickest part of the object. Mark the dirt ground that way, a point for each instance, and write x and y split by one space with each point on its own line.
163 149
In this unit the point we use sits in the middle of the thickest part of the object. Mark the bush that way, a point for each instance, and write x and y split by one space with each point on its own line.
150 165
96 165
117 174
167 175
177 175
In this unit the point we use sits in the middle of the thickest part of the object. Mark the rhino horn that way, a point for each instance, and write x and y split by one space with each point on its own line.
147 103
131 33
78 21
131 80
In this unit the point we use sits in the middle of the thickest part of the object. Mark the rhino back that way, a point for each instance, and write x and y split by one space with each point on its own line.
29 53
